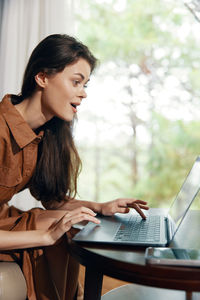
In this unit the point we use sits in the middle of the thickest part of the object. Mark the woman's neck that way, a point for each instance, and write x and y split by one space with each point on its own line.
31 111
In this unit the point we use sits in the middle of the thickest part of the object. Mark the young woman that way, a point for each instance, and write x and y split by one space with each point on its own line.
37 152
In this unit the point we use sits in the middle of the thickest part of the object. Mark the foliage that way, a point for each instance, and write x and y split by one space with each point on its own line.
176 146
162 170
151 49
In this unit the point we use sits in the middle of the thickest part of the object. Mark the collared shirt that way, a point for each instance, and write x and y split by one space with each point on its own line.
18 150
18 157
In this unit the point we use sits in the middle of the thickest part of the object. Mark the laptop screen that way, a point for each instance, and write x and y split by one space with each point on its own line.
186 195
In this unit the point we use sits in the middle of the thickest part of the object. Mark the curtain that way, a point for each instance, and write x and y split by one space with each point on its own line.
23 23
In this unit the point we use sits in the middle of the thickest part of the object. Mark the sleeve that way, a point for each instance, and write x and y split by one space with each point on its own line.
9 177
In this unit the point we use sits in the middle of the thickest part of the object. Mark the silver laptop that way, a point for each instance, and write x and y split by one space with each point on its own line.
159 229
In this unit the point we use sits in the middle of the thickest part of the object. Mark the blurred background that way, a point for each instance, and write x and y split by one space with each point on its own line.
138 131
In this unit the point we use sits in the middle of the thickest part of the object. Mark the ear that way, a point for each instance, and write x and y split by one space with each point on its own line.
41 79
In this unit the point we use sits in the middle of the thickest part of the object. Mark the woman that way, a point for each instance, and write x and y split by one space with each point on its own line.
37 152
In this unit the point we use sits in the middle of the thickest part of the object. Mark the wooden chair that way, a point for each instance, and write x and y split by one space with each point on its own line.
140 292
12 282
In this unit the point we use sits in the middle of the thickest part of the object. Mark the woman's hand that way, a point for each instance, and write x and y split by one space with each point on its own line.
49 229
56 230
123 205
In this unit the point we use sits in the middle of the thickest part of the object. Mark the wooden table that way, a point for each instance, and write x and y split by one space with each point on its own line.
128 264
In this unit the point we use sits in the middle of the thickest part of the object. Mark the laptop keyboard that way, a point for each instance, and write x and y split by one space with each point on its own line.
137 229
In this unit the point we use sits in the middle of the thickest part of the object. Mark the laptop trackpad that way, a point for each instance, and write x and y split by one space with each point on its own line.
99 233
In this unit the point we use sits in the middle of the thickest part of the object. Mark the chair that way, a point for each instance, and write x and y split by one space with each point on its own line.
140 292
12 282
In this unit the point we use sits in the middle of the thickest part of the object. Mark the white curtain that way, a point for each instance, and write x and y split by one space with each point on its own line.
23 23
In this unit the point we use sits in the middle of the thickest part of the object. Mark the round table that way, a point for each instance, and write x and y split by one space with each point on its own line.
128 264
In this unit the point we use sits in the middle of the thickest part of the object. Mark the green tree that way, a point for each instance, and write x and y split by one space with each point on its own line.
151 45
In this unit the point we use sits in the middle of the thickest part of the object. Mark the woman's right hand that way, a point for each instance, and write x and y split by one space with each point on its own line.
56 230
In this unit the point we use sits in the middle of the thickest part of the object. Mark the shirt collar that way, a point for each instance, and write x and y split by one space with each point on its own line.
21 131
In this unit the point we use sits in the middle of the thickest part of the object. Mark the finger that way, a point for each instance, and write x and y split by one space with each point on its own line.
142 204
144 207
81 209
132 203
87 210
139 204
137 208
68 223
129 201
138 201
82 218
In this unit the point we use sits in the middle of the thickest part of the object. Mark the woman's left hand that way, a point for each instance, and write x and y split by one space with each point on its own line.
123 205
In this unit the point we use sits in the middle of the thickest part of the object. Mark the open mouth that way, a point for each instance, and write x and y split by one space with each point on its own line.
74 105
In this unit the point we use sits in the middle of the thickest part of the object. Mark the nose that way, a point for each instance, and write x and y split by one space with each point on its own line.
83 93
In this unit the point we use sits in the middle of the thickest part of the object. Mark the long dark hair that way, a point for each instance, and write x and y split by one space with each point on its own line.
58 163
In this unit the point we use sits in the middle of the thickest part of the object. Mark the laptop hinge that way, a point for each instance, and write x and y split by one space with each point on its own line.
169 229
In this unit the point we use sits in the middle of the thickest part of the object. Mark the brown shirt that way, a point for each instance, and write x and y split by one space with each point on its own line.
18 150
18 157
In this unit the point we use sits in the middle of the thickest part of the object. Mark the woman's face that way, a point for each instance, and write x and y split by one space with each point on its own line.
64 91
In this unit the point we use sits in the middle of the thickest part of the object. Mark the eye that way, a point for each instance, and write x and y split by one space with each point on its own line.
86 84
76 82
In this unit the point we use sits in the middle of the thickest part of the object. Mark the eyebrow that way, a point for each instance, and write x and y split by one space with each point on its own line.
82 76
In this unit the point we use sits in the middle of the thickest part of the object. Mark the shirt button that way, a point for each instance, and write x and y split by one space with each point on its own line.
37 140
28 172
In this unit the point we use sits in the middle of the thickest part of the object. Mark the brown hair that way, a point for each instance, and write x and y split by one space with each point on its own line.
58 163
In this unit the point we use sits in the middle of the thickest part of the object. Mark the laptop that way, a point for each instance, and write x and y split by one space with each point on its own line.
159 229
